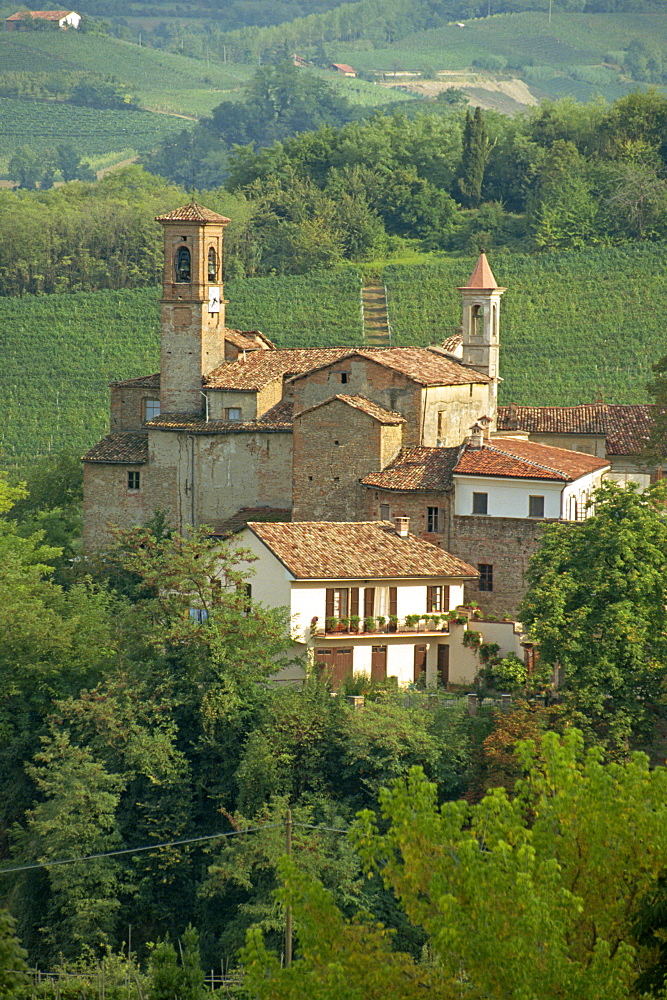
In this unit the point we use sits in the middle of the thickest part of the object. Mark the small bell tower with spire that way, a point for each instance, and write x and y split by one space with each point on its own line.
481 326
192 307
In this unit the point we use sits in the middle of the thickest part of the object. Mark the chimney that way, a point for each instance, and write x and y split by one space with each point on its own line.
476 437
402 526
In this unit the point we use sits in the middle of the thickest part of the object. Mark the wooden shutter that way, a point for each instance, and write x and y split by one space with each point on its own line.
354 601
445 599
329 603
430 598
369 601
393 600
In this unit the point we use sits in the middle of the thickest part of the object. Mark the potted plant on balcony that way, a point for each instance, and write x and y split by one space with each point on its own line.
393 623
332 624
369 624
343 625
411 622
354 623
382 621
314 627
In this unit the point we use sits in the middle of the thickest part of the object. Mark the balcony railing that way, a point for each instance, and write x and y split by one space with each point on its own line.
355 625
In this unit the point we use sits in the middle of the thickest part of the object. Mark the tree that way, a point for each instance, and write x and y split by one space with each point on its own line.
596 604
168 979
25 166
476 149
13 979
531 897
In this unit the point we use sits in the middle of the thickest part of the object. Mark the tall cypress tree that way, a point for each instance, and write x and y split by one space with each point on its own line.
473 160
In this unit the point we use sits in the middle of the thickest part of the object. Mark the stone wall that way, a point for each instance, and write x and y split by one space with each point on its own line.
412 504
108 503
334 446
506 543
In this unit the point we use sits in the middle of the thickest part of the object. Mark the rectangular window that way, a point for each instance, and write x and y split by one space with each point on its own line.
341 603
385 513
133 481
480 503
485 576
151 409
536 506
198 615
433 519
232 413
437 598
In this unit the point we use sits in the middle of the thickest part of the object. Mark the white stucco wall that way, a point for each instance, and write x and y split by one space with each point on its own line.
507 497
579 491
270 581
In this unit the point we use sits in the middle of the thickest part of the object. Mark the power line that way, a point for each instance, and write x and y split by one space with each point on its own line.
167 843
136 850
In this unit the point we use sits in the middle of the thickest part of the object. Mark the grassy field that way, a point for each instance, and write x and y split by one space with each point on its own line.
162 81
572 325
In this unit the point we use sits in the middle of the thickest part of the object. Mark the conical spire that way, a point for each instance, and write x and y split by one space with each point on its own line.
482 275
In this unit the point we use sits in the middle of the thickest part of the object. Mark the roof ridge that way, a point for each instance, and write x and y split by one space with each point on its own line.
528 461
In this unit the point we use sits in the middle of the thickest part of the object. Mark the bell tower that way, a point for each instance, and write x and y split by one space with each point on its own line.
481 326
192 307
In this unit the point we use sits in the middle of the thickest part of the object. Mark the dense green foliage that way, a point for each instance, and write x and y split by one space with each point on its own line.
531 897
597 606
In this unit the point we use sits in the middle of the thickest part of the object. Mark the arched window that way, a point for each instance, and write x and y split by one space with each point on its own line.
212 265
182 264
477 321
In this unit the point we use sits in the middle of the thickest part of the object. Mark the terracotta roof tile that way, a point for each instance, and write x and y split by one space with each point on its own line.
199 425
482 275
360 403
262 367
125 449
357 550
421 364
45 15
143 382
625 427
453 343
192 213
526 460
417 469
238 521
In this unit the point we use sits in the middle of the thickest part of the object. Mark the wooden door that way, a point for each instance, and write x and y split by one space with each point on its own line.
443 664
420 662
378 663
342 666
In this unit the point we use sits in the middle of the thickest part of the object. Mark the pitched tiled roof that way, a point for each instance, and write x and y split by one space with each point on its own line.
482 275
360 403
125 449
232 525
144 382
192 213
356 550
262 367
625 427
526 460
417 469
423 365
453 343
246 340
46 15
199 425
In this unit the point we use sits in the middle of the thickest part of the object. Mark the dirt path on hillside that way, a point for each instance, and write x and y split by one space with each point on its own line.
507 96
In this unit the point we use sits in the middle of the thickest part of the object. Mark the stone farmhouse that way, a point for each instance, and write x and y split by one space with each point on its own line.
234 430
62 18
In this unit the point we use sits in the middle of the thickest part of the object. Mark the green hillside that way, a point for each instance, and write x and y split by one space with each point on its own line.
573 324
162 81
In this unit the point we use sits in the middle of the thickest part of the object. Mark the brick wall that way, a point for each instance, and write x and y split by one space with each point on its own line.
108 502
334 446
127 407
506 543
414 505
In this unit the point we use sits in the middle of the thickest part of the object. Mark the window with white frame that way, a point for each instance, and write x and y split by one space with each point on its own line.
535 506
151 409
232 413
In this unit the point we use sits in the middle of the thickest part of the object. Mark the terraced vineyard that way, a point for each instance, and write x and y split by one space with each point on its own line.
60 351
573 324
93 132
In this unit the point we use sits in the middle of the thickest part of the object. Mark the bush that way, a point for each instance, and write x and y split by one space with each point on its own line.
491 61
508 674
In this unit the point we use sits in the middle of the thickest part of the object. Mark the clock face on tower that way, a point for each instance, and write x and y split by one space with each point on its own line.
214 300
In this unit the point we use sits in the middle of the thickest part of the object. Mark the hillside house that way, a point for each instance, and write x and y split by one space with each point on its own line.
61 18
367 597
344 69
338 434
